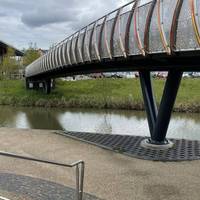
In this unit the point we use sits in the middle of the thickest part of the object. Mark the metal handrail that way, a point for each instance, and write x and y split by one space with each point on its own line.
80 168
57 44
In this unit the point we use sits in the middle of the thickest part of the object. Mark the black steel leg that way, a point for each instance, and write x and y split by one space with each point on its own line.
149 100
35 85
47 86
158 123
27 83
166 106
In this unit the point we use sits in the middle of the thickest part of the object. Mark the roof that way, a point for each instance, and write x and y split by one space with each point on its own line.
5 46
42 51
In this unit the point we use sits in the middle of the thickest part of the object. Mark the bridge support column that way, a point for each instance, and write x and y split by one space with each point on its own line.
149 99
36 85
27 83
159 122
47 86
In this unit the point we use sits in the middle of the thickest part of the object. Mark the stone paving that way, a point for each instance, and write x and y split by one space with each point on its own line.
29 188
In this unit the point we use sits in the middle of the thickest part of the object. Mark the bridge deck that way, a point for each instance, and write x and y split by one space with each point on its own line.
150 34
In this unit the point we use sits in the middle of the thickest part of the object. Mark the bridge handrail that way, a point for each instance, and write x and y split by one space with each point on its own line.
70 38
80 168
135 30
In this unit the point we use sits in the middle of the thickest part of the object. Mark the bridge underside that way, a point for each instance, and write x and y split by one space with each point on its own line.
158 118
185 62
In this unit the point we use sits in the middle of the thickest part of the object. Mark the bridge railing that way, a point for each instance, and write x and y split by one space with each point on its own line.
140 27
79 165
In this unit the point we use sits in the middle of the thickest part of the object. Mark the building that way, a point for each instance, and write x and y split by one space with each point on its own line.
3 50
42 51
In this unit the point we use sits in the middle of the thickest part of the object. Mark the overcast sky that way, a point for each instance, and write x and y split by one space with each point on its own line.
48 21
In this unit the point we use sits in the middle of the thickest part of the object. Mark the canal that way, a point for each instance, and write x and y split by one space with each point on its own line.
183 125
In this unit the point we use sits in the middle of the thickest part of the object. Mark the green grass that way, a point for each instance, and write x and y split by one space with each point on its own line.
101 93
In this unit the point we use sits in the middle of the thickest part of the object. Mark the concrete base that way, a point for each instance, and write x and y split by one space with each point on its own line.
147 144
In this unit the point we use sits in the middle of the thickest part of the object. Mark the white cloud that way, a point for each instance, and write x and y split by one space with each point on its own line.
48 21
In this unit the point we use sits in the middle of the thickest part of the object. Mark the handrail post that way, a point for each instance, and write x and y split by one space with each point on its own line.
77 183
82 179
79 180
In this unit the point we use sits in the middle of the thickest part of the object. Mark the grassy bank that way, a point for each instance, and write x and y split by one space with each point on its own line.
102 93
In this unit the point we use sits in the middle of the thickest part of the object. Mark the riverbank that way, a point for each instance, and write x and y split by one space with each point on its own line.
102 93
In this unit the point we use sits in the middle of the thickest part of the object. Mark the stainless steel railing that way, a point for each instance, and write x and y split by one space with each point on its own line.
79 165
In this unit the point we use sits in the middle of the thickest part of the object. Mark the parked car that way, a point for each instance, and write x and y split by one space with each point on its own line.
186 75
96 75
196 74
130 75
108 75
162 74
137 75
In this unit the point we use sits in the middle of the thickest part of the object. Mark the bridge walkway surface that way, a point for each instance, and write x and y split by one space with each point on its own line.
109 175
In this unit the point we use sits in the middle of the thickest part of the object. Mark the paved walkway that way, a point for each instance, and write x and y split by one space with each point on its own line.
109 175
29 188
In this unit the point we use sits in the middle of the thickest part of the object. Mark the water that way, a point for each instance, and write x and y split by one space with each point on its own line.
123 122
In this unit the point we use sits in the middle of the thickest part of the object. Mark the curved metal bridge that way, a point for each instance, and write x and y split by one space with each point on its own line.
143 35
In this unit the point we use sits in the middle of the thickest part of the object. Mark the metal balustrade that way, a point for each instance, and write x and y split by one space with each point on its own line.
79 165
141 27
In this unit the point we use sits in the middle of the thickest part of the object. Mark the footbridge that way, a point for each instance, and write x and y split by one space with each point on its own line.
144 36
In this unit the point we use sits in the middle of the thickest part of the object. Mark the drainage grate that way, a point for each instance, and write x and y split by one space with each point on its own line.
130 145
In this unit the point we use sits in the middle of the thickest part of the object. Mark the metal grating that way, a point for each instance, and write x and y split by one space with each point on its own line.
185 30
130 145
167 9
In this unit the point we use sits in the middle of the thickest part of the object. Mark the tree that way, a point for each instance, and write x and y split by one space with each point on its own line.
9 63
31 54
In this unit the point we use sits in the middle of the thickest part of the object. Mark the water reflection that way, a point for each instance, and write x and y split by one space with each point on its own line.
35 118
102 121
21 120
